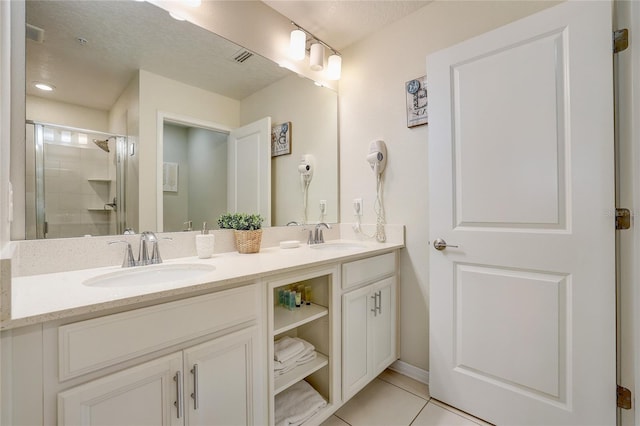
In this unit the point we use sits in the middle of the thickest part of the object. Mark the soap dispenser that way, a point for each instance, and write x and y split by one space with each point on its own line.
205 243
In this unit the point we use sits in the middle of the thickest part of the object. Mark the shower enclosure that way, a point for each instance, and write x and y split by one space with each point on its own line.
75 182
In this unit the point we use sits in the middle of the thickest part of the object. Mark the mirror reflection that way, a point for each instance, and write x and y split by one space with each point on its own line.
125 72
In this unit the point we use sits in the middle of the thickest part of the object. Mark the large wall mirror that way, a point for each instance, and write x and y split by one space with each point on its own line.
134 133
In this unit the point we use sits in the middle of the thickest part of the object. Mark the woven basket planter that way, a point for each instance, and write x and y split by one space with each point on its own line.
248 241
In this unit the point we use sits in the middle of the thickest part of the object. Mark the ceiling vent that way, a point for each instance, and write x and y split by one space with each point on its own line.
35 34
241 55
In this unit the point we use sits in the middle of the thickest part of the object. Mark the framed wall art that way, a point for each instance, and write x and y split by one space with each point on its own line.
281 139
416 91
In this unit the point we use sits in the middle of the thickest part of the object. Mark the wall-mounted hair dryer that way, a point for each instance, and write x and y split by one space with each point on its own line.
306 167
377 156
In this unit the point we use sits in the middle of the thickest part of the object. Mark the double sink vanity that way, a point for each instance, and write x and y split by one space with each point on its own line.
191 341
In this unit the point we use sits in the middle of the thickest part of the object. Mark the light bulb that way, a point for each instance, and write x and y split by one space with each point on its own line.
334 67
298 45
316 61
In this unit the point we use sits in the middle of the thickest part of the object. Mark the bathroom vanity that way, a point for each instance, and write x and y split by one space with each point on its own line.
201 352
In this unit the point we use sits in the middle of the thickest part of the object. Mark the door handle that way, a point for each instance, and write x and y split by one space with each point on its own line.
440 244
379 307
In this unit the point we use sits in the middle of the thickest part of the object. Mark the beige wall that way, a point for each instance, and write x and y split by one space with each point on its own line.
313 112
160 94
372 106
64 114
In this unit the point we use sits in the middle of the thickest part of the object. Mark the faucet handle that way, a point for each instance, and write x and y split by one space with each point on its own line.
155 252
129 260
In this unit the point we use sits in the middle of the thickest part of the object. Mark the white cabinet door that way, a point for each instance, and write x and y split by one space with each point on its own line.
142 395
369 334
355 311
220 380
382 325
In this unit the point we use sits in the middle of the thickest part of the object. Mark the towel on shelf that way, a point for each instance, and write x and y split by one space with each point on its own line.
297 404
306 355
286 348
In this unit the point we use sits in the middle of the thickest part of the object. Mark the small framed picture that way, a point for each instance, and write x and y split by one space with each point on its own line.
281 139
416 91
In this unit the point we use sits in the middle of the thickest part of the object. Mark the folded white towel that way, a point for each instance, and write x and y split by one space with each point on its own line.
297 404
306 355
286 348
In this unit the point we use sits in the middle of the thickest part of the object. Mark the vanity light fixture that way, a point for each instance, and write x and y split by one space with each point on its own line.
298 49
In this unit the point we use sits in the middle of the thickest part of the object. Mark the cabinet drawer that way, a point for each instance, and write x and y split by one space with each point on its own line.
98 343
367 270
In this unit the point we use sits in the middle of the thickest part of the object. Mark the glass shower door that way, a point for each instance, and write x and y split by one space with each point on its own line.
75 186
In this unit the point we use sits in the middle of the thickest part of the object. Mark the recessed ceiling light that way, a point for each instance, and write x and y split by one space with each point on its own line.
44 87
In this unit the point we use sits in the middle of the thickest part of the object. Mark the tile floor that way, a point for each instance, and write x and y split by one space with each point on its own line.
393 399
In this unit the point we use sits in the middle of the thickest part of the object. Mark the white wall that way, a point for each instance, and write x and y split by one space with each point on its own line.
372 106
313 114
160 94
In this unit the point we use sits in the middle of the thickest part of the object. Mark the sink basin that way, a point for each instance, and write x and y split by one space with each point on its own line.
338 246
149 275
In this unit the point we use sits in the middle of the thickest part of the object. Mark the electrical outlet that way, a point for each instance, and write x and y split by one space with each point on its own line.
357 206
323 206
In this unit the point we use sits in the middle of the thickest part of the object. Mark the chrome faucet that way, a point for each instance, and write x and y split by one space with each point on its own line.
318 238
148 238
148 251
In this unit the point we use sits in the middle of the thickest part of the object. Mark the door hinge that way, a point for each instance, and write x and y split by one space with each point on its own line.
623 398
623 219
620 40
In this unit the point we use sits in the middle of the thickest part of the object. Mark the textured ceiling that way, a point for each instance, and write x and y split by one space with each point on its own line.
124 36
342 23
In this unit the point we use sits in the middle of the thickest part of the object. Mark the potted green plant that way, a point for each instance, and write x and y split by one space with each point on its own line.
247 229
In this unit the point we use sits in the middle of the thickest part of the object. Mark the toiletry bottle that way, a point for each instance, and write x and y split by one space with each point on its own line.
292 300
307 295
298 299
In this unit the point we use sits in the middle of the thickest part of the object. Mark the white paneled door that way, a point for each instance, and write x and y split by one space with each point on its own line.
249 169
521 180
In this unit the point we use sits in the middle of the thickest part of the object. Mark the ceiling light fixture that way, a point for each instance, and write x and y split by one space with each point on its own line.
44 86
298 49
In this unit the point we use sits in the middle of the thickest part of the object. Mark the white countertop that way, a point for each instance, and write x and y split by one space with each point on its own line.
46 297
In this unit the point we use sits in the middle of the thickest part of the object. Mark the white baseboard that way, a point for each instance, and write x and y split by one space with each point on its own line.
410 371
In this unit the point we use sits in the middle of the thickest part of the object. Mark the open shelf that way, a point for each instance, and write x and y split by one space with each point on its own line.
300 372
285 320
